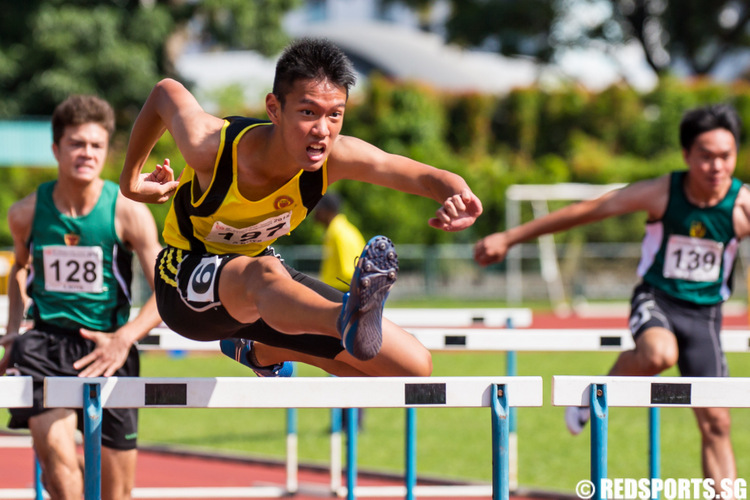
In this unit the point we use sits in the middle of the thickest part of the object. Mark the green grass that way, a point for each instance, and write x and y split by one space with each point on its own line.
450 442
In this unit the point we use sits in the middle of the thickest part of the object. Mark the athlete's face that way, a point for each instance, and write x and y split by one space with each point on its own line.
310 120
81 151
711 161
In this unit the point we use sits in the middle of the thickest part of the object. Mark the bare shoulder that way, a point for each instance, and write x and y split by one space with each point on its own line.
649 195
21 213
350 155
741 214
348 148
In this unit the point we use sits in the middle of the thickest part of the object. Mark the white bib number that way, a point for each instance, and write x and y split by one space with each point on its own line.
73 269
692 259
267 230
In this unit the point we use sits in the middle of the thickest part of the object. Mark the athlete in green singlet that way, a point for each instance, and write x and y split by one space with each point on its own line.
74 239
695 221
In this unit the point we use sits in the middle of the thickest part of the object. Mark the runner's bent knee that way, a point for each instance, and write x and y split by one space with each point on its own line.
657 349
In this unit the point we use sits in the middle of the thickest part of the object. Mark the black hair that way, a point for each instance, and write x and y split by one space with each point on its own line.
311 59
699 120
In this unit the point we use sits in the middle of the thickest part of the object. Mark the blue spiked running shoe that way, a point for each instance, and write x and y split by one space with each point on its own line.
239 350
361 320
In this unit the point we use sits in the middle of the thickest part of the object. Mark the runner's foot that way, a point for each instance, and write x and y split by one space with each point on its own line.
240 350
361 320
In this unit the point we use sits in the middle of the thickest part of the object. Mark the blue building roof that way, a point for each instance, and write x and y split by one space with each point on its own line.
26 143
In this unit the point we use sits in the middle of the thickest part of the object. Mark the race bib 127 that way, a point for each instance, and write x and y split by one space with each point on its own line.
267 230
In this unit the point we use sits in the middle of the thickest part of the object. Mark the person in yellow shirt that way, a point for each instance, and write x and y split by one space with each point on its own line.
342 243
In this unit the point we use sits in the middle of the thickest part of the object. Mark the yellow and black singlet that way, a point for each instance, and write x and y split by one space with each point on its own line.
221 220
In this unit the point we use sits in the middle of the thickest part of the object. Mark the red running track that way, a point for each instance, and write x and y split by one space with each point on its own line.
166 469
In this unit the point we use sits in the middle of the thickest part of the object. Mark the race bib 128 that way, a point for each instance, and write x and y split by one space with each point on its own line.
73 269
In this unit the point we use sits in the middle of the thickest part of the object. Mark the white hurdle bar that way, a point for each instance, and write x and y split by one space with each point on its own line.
93 394
412 320
16 392
487 339
553 340
679 392
599 393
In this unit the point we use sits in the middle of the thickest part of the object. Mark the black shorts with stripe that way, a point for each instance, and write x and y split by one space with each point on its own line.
696 328
186 287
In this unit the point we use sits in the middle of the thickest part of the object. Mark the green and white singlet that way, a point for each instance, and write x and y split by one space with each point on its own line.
81 274
690 253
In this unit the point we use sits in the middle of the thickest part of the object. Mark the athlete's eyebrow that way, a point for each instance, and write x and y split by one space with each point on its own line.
306 100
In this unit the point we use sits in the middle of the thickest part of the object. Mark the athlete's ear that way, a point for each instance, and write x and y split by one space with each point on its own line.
273 108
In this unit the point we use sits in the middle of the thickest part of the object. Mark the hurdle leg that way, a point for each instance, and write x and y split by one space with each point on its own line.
92 437
411 452
351 453
599 419
654 443
38 486
500 434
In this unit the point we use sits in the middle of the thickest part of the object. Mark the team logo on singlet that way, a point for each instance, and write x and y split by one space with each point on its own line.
283 201
72 239
697 229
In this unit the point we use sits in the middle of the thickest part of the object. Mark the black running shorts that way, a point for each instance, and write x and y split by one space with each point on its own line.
186 287
40 353
696 328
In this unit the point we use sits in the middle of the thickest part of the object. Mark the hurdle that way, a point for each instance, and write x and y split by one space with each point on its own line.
414 320
93 394
601 393
549 340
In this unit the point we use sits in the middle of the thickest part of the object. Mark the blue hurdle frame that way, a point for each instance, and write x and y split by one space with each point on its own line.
92 431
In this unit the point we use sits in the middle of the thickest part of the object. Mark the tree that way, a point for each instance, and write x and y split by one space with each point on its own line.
696 33
118 48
